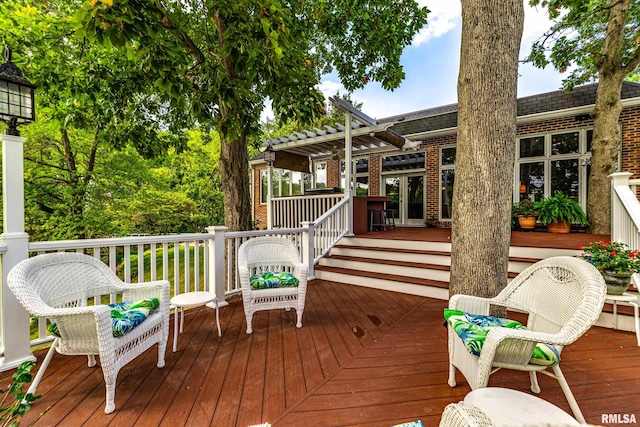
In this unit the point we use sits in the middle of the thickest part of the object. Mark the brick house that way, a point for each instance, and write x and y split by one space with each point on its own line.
552 153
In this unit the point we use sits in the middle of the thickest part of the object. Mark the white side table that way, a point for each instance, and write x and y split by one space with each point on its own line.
192 299
506 407
626 299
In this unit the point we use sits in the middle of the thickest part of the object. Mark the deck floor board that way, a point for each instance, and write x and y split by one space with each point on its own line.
364 357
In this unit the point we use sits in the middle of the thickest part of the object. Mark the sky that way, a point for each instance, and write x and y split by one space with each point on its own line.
431 65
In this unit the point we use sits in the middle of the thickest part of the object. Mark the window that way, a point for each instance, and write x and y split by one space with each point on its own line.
320 175
552 162
361 172
285 183
447 177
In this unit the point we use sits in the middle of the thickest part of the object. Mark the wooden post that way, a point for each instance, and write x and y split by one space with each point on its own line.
216 262
14 320
308 250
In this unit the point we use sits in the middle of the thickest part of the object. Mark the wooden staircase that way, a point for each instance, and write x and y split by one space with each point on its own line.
409 266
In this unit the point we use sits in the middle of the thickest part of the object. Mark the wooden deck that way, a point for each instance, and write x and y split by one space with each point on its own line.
536 239
364 357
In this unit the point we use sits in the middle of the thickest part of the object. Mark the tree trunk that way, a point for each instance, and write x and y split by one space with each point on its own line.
487 94
234 173
605 146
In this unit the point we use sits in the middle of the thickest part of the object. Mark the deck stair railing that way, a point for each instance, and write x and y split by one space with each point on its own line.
325 232
625 210
291 212
625 213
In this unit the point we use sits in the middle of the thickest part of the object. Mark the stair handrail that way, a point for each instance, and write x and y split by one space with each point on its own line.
325 232
625 211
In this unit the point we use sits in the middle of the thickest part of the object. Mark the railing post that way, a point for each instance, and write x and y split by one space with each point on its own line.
270 196
216 262
308 251
618 179
14 319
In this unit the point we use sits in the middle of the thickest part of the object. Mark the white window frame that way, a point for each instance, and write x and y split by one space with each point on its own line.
442 168
582 155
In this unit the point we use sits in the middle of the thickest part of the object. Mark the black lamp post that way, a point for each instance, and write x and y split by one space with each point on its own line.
17 105
269 155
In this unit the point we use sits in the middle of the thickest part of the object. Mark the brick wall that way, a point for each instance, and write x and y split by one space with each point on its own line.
259 209
630 125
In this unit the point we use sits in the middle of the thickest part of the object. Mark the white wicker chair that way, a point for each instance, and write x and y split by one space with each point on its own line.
59 286
563 297
262 254
463 415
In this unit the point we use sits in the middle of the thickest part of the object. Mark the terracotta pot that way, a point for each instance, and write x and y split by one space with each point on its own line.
617 284
562 227
527 222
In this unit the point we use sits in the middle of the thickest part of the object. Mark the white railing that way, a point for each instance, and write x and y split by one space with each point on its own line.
291 212
625 210
182 259
191 262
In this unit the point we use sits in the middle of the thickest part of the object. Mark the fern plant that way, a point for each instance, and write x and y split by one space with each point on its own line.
558 208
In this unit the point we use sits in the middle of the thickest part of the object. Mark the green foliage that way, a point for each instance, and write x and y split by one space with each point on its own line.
558 208
611 256
576 40
524 207
15 401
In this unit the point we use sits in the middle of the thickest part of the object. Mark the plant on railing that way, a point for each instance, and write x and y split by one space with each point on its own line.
611 256
12 411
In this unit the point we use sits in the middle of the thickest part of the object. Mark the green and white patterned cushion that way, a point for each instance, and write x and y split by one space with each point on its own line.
269 280
473 330
124 315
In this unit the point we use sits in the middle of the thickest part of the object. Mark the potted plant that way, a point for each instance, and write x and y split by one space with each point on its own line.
15 402
526 212
431 222
557 212
615 262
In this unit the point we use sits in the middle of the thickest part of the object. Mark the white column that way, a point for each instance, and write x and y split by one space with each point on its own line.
348 175
269 196
308 251
216 262
14 318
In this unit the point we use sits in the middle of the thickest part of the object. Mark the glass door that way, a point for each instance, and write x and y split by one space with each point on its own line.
407 198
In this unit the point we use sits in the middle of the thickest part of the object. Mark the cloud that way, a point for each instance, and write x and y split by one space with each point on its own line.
330 87
444 16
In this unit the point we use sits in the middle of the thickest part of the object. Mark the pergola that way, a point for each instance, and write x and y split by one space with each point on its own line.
359 135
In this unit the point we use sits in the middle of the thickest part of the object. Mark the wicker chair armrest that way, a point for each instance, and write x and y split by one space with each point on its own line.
301 271
463 415
505 345
82 323
471 304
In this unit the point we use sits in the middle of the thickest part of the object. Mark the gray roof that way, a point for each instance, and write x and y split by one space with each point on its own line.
322 142
447 116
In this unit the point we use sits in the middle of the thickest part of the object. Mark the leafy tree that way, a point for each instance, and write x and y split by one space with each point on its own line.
92 97
597 39
221 59
487 93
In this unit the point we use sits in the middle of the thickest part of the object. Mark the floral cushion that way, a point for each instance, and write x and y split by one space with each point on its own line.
416 423
473 330
270 280
124 315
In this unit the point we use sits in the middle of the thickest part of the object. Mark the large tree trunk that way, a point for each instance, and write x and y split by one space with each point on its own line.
234 173
605 146
487 94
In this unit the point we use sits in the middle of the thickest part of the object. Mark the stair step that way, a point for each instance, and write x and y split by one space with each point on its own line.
369 265
384 276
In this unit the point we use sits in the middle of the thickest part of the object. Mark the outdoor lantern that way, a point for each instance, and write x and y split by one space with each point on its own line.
16 96
269 155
